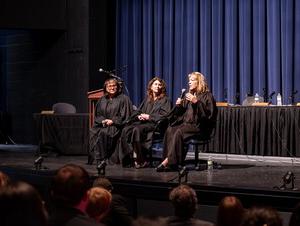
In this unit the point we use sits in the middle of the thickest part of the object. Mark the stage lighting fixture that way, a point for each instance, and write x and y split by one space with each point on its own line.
38 162
288 179
183 172
101 168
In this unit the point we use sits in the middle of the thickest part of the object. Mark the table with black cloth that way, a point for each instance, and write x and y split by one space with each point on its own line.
268 131
66 133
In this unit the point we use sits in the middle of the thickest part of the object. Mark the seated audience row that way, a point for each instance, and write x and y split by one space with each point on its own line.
77 203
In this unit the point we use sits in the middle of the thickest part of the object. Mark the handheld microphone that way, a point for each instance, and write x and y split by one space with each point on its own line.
183 91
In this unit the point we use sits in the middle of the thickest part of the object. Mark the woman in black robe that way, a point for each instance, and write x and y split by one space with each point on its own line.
137 135
194 114
112 110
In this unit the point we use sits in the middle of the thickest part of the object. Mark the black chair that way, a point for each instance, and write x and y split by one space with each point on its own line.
157 138
198 143
63 108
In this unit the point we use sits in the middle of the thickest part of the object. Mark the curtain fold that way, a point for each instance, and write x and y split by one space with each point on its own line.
241 46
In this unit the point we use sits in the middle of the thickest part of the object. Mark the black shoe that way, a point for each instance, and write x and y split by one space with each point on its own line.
161 168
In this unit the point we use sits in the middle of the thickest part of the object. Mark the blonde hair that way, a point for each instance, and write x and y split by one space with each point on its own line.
202 86
98 204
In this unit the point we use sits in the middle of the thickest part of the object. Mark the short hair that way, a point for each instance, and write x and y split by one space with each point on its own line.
230 212
119 88
21 204
260 216
163 88
70 184
98 203
184 200
103 183
4 179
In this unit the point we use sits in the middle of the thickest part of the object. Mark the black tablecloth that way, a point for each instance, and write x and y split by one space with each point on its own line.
67 133
272 131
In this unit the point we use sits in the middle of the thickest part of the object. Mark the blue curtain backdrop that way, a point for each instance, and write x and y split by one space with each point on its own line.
241 46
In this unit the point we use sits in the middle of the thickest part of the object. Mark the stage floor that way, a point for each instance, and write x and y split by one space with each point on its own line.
254 182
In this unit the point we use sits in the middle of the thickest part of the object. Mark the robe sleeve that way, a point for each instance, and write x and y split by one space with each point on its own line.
99 114
160 111
125 110
206 106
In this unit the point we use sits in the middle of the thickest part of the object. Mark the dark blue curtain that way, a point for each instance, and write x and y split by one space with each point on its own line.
241 46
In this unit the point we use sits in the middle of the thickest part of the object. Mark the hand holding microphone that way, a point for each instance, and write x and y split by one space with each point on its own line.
179 100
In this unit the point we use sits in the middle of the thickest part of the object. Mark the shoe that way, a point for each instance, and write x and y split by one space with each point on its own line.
161 168
142 165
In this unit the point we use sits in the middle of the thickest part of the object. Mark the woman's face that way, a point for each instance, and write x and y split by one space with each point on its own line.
193 82
156 87
111 88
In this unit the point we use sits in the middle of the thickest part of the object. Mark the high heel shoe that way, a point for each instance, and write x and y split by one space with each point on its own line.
161 168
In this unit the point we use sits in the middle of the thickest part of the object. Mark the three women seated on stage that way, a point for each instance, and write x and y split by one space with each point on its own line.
115 123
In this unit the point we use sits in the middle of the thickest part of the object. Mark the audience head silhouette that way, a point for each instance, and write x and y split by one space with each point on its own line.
70 185
98 204
103 182
230 212
261 216
295 218
184 200
21 204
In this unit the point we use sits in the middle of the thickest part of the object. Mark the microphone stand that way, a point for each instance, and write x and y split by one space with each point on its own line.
120 80
292 97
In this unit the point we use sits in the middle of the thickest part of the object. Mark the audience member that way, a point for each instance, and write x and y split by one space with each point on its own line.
21 204
295 218
145 221
4 179
69 192
230 212
98 205
184 200
118 214
261 216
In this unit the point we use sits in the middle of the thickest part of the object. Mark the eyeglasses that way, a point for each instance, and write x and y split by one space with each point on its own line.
111 86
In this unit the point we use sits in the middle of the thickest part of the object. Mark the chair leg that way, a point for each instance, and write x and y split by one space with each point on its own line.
197 167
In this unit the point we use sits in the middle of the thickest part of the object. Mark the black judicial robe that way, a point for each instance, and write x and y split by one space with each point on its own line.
142 131
187 120
103 140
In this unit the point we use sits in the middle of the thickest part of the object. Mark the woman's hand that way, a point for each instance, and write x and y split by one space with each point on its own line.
143 117
107 122
190 97
178 101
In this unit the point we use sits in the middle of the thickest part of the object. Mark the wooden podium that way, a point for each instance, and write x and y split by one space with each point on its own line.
93 97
